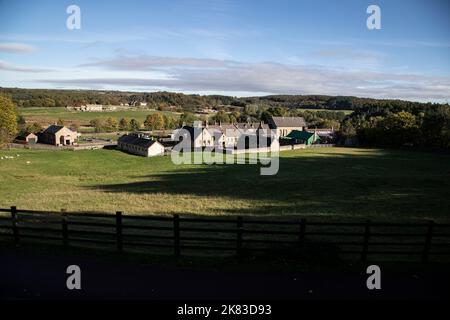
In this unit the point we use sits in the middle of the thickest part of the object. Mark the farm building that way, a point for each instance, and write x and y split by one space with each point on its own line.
285 125
303 137
139 144
27 137
58 136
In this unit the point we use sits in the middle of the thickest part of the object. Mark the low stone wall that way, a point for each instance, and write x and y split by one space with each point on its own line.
259 150
93 146
321 145
42 146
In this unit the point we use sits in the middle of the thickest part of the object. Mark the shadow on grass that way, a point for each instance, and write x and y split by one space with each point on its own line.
389 184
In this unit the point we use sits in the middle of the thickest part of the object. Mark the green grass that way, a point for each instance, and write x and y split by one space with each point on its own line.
51 115
325 182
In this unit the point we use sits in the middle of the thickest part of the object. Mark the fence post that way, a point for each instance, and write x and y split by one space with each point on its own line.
365 248
65 229
427 245
239 226
15 228
176 235
119 235
301 235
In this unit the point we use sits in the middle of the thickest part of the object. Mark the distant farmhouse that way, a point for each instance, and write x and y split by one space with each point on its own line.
140 144
91 108
206 110
58 136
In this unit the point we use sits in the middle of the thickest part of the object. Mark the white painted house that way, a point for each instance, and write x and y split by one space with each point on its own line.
219 136
195 136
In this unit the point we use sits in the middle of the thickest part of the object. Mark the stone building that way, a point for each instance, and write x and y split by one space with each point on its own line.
140 144
58 136
285 125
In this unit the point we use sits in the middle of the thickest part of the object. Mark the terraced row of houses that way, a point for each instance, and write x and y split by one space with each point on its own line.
229 135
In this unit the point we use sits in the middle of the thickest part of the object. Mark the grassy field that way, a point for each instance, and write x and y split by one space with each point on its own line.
46 116
324 182
51 115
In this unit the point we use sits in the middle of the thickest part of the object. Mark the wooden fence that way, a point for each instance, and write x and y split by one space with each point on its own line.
234 235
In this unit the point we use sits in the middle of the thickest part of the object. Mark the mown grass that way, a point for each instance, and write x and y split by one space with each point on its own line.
327 183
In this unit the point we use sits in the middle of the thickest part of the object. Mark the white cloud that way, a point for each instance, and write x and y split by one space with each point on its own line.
16 48
146 62
9 67
192 74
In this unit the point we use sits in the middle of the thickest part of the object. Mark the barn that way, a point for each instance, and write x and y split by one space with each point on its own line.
58 136
27 137
140 144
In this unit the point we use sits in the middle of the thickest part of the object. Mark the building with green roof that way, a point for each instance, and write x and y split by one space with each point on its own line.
303 137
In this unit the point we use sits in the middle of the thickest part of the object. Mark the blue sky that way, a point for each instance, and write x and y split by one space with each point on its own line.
230 47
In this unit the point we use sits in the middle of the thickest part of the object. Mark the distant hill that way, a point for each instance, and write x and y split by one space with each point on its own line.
61 98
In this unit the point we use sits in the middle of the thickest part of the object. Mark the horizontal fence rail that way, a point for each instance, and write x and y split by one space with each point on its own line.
230 235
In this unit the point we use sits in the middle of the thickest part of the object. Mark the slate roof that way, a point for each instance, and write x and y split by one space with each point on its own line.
136 140
24 135
289 122
53 129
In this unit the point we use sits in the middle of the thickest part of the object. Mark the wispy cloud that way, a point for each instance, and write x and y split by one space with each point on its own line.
192 74
92 38
16 47
349 54
9 67
146 62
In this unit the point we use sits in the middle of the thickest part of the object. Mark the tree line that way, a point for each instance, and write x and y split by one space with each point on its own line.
192 102
373 122
392 127
155 121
